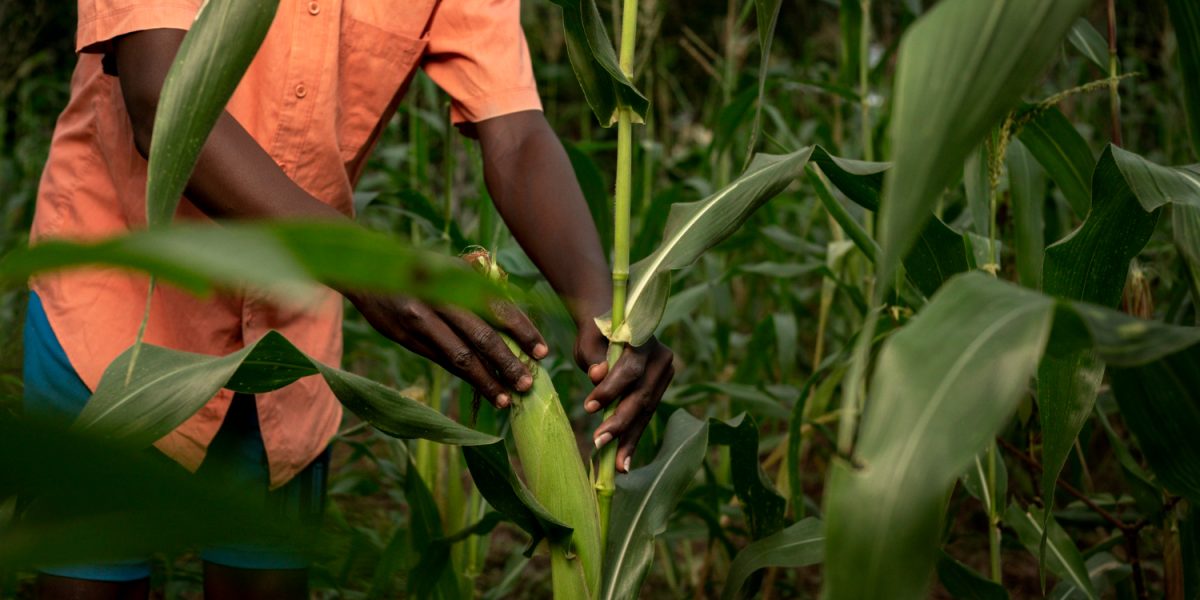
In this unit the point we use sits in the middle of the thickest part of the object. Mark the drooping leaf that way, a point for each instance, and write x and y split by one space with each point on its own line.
799 545
289 258
962 67
1104 570
595 63
1185 19
1062 557
694 227
943 387
1155 185
210 63
504 491
1090 43
762 503
964 583
938 253
1028 187
168 386
644 501
1064 154
1090 265
1160 403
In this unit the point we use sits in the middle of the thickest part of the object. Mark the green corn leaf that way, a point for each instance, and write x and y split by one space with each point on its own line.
939 252
1091 265
799 545
498 483
977 185
692 228
73 484
644 501
595 63
289 259
168 386
214 55
964 583
1028 187
1155 185
594 187
1160 403
1105 572
766 13
762 503
1062 557
1090 43
850 18
943 387
1185 226
1064 154
962 67
1185 18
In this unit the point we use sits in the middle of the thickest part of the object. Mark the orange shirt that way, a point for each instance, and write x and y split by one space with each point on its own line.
324 84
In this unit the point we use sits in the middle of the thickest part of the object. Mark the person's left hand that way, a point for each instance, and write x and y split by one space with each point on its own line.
638 381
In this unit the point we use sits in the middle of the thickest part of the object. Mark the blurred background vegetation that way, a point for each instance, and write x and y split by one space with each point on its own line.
748 333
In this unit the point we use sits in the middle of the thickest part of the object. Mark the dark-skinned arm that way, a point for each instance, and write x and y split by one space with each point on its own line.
235 178
534 188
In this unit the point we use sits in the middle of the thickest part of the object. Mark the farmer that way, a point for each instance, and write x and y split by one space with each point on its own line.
291 144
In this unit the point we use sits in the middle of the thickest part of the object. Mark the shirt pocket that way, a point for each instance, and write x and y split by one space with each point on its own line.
374 65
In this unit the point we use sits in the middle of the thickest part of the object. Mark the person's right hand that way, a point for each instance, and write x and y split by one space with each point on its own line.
461 342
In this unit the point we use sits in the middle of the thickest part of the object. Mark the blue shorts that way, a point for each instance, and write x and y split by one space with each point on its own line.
54 390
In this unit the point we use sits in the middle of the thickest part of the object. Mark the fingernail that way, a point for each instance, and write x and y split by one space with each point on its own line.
603 439
503 401
592 406
626 464
524 383
596 370
540 351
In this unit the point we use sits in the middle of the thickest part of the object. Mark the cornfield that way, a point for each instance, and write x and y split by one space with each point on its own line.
931 281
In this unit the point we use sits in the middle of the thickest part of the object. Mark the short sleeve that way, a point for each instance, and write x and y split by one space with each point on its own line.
101 21
478 55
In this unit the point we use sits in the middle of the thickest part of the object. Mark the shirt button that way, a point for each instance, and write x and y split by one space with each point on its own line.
314 8
301 91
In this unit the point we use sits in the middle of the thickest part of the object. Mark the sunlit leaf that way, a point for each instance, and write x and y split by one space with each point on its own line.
693 228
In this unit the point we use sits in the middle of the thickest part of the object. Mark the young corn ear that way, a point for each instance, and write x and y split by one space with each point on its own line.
553 468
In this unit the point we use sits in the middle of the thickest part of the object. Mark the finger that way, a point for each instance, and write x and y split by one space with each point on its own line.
453 354
630 438
491 346
517 324
646 404
613 427
616 382
598 371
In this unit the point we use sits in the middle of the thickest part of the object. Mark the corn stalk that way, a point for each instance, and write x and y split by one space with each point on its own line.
606 480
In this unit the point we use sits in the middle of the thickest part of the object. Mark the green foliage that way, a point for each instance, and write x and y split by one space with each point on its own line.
595 63
797 546
968 63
